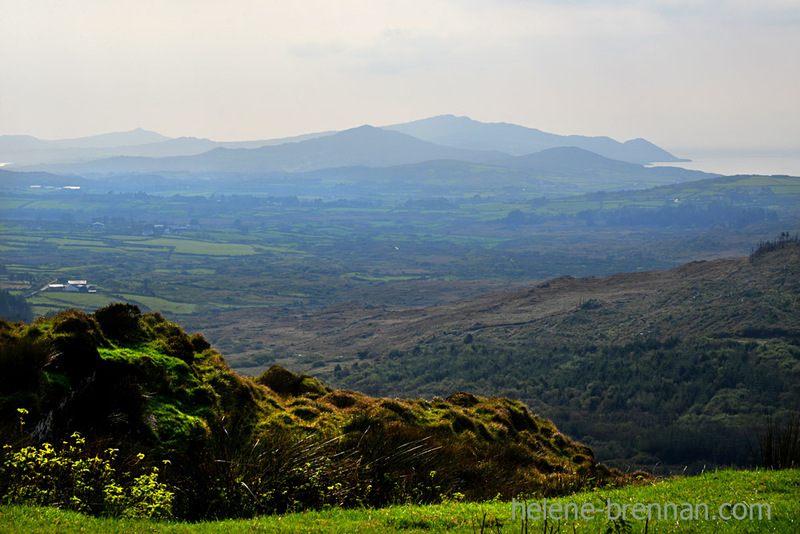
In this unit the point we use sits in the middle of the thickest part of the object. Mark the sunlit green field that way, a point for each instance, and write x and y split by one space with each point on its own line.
737 492
202 248
56 300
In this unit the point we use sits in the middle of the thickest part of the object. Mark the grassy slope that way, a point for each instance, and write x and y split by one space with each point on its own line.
781 489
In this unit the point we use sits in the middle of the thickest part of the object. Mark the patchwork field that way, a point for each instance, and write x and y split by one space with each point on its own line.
204 255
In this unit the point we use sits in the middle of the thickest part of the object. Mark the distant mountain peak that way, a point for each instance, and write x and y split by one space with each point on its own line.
363 128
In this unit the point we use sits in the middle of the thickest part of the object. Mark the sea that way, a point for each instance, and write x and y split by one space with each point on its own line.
731 162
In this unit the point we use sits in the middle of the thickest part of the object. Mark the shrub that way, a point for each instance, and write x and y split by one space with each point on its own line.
75 342
180 346
21 363
463 399
286 383
73 478
199 343
14 307
120 322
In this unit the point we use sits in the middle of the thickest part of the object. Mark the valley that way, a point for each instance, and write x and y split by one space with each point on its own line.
650 313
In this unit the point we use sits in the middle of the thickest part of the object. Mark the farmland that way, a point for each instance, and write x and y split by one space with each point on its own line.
204 254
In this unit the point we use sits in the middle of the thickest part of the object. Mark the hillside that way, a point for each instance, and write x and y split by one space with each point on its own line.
574 161
726 296
238 446
554 172
647 367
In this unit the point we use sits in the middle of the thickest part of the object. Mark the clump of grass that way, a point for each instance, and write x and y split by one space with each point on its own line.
341 399
286 383
403 411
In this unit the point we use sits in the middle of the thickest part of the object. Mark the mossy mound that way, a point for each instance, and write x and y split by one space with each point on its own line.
239 446
284 382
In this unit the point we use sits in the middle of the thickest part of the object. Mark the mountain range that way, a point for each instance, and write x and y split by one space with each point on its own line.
362 146
443 137
21 150
432 157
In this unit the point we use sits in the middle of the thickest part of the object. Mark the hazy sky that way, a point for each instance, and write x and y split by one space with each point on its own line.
680 73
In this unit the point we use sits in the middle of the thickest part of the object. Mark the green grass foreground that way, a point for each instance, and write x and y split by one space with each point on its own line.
781 489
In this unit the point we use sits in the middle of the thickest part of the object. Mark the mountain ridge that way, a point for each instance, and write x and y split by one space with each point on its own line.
27 150
520 140
364 145
370 156
22 150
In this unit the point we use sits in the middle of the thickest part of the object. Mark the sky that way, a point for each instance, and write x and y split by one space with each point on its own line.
680 73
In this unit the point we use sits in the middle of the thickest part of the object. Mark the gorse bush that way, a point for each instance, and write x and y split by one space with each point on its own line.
74 479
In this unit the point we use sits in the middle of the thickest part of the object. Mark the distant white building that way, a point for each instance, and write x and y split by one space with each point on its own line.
79 286
73 286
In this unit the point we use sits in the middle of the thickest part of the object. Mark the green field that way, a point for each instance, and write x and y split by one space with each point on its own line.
201 248
57 300
162 305
739 491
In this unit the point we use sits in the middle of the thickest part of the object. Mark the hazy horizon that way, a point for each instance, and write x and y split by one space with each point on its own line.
675 72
